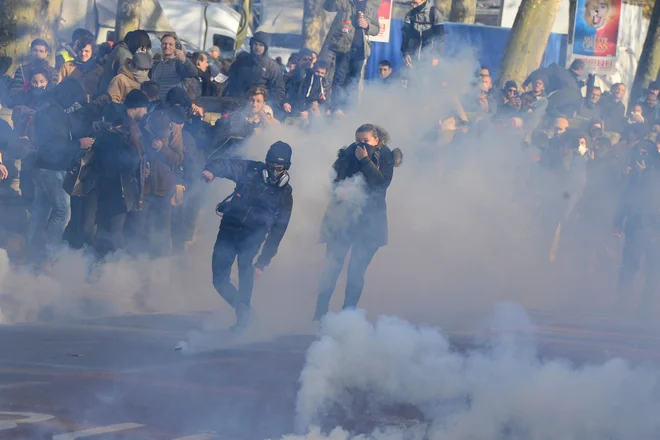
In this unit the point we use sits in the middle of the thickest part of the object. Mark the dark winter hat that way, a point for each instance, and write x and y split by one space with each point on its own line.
261 37
177 114
142 61
304 52
158 122
510 85
136 99
280 153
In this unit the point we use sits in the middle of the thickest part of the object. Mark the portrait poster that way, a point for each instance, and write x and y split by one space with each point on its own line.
596 34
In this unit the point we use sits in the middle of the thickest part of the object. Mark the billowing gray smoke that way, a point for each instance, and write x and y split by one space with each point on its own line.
500 391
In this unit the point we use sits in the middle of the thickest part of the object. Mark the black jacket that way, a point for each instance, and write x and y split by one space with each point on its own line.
368 222
250 71
256 207
58 132
121 170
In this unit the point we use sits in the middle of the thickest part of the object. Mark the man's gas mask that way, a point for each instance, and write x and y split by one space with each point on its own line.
275 174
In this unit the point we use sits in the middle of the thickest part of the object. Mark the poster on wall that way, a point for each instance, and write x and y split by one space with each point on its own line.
385 21
596 34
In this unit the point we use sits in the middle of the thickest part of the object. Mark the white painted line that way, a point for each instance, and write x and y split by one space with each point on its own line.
96 431
27 417
19 385
197 437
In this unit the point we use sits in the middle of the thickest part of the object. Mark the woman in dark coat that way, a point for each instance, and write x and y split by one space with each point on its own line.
356 218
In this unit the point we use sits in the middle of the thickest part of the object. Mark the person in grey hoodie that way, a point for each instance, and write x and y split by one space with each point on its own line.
174 66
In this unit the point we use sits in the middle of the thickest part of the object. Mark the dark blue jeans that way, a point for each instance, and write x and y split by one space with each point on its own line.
335 255
50 213
231 245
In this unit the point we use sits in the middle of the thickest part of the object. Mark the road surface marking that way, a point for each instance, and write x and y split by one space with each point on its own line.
96 431
28 418
19 385
197 437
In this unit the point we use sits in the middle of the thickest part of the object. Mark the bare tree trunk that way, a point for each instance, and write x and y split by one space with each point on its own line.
21 21
528 39
444 6
649 61
463 11
128 18
313 25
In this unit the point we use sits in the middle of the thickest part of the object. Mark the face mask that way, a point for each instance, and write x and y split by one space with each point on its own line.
582 149
38 91
274 174
141 75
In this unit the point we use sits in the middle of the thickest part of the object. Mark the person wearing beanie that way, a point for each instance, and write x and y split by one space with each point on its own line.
131 76
136 104
258 210
256 69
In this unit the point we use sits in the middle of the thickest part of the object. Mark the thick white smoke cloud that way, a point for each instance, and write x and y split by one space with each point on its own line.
458 241
501 390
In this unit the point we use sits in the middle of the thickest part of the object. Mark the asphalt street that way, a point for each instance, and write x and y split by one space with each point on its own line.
121 378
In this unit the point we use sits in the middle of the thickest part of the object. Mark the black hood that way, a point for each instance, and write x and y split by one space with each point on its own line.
261 37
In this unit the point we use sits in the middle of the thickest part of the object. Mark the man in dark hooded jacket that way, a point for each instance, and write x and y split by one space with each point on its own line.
258 210
256 69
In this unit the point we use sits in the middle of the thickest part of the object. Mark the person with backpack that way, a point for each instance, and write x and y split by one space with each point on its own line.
356 218
258 210
422 33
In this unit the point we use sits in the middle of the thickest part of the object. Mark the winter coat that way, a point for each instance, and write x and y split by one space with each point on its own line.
58 132
249 71
162 178
343 28
423 30
120 164
170 72
89 75
364 220
256 208
122 84
113 64
304 88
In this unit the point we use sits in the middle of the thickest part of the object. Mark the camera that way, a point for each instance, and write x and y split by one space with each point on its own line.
178 45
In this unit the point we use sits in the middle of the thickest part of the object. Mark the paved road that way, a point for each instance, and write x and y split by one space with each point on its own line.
120 378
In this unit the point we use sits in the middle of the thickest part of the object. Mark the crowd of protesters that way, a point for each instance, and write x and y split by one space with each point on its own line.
107 148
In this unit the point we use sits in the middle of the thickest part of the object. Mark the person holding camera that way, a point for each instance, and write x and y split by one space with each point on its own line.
174 67
259 209
356 218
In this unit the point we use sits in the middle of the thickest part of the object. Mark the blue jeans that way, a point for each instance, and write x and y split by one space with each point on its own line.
336 251
230 246
51 213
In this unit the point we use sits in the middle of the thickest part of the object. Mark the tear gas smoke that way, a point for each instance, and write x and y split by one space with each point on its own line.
459 238
501 390
464 233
